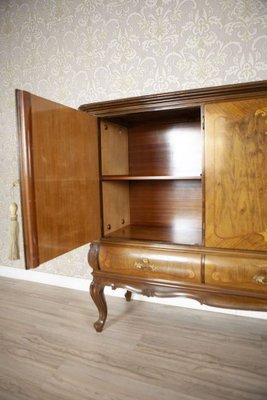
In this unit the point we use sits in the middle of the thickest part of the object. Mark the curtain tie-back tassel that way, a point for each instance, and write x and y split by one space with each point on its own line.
13 233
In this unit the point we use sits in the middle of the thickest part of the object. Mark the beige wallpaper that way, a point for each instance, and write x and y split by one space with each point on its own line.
77 51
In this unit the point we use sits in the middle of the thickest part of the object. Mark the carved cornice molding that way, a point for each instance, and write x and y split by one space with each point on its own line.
176 99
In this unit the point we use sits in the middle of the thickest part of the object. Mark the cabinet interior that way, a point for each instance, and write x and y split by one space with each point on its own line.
151 176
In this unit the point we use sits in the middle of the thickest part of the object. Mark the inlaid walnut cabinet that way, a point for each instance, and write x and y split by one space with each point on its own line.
170 189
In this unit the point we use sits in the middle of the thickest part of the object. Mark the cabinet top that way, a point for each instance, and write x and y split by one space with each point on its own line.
182 98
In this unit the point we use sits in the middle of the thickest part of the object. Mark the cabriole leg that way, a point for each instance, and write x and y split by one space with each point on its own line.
98 296
128 295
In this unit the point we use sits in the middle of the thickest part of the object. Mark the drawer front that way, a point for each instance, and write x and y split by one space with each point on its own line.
239 273
150 263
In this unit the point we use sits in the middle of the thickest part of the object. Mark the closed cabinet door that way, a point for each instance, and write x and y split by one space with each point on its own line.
236 174
59 177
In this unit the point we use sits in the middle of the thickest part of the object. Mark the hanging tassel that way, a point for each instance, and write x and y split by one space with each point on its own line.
13 233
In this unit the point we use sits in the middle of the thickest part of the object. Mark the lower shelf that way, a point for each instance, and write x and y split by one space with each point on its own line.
158 234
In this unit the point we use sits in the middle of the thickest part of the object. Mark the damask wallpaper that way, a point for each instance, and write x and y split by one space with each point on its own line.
78 51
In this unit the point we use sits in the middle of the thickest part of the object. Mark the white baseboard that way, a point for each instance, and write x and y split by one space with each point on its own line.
83 285
46 278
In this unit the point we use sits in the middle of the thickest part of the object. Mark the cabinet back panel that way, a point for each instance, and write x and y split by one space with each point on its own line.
177 204
165 149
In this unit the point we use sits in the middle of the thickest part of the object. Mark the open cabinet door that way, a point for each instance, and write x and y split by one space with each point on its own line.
59 177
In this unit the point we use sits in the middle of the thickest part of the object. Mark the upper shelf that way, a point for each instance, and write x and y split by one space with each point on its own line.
147 178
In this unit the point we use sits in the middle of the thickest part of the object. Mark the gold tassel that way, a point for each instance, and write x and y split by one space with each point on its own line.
13 233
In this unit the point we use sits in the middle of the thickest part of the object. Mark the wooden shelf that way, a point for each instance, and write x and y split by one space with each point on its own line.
148 178
158 234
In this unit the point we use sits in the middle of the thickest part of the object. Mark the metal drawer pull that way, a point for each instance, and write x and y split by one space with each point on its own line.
144 265
260 279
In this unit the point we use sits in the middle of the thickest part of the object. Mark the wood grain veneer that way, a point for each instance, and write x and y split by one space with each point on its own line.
236 174
151 263
61 203
236 272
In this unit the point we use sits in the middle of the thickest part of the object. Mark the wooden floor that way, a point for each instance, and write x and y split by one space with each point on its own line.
49 349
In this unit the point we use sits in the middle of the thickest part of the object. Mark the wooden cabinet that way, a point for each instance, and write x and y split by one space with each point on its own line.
170 188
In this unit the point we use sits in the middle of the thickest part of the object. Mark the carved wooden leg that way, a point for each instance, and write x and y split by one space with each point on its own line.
97 294
128 295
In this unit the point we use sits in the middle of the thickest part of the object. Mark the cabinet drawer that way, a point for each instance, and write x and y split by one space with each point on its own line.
241 273
150 263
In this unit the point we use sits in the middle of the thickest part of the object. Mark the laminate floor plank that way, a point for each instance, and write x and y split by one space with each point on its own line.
50 351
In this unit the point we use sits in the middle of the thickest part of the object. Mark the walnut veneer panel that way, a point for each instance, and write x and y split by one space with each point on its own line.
236 174
59 177
150 263
236 272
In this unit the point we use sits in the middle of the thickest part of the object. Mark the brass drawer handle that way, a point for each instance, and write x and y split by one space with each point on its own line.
260 279
144 265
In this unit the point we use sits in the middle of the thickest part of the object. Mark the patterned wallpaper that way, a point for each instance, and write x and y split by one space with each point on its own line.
77 51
